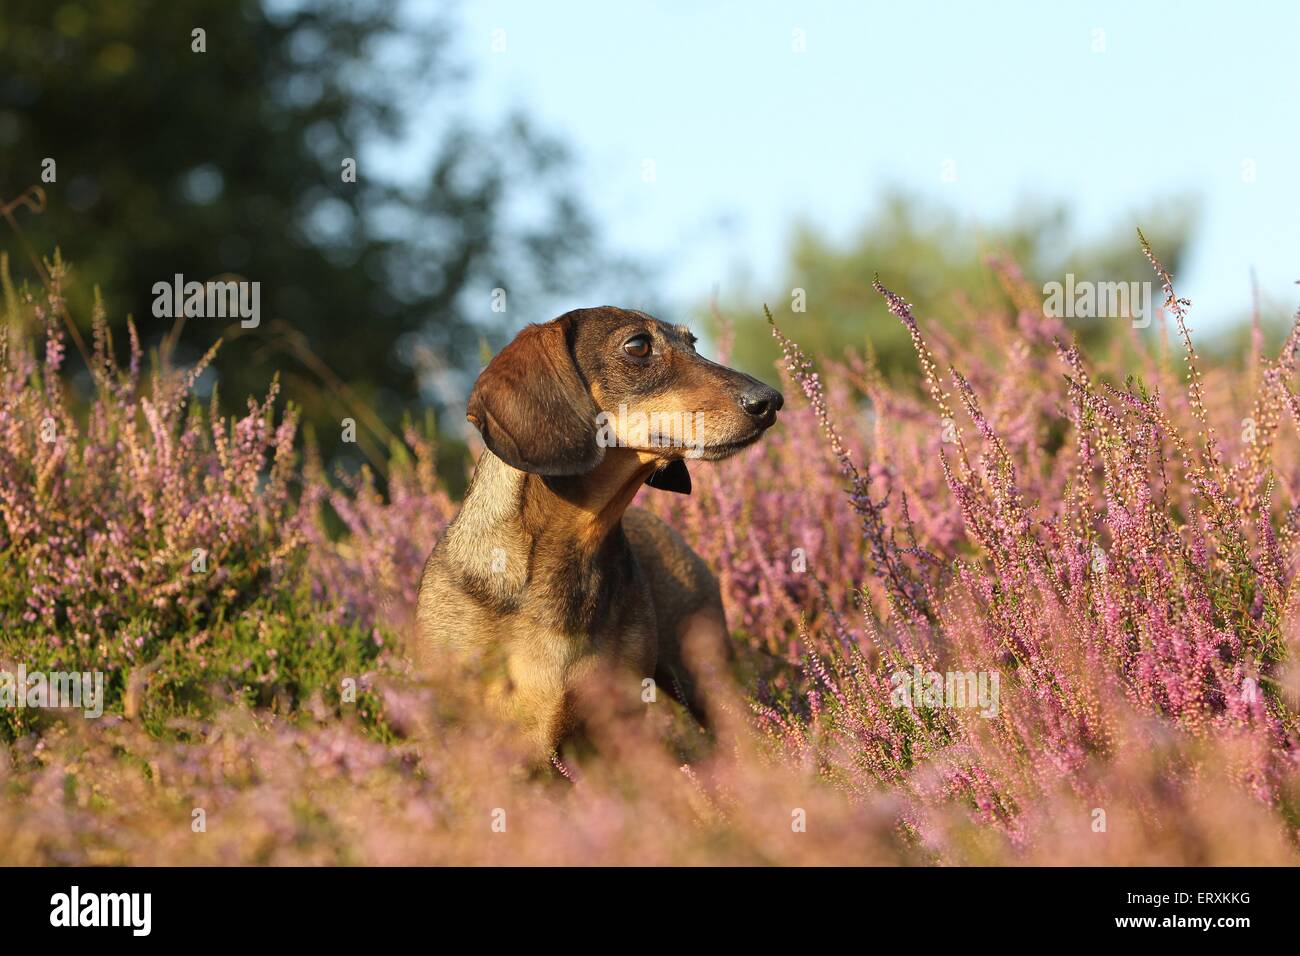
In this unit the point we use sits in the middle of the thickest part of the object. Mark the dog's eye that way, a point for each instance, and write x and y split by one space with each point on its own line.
638 346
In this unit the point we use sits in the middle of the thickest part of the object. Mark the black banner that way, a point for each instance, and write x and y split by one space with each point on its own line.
335 906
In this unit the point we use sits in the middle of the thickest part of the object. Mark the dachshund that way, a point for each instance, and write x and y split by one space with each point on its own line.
546 572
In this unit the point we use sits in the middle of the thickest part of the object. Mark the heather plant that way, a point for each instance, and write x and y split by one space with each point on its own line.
367 571
148 538
1101 550
1123 575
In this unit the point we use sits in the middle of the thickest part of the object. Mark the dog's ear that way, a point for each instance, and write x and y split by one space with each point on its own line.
672 477
532 406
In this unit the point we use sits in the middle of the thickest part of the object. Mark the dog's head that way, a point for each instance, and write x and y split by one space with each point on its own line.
562 392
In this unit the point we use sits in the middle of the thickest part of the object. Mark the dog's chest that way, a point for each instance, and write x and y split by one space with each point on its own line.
602 611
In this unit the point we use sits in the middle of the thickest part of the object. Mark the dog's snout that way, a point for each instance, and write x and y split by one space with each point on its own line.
761 402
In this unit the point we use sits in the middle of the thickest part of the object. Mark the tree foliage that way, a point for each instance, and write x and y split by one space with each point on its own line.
229 163
938 260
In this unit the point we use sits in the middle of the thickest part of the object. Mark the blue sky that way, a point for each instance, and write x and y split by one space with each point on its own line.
747 135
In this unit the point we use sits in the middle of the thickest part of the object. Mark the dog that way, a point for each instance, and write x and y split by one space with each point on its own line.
545 572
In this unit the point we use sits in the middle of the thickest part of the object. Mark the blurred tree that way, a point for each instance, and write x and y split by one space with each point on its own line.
230 162
931 257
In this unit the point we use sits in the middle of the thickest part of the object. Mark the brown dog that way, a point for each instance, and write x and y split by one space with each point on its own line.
546 571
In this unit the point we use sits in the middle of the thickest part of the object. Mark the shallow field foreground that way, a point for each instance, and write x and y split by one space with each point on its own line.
1114 538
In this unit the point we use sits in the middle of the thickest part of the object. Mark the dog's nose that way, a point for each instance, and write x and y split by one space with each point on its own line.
761 401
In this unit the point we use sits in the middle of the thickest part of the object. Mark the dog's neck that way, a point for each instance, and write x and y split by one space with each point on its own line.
580 511
517 529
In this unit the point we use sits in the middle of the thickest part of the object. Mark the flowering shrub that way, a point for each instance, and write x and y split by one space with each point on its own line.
1109 557
153 542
